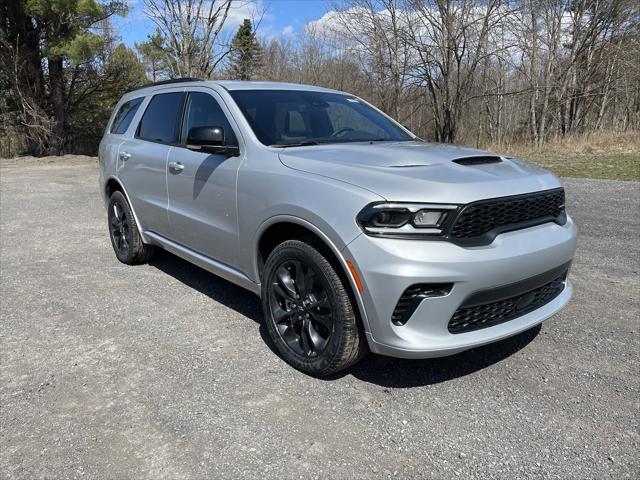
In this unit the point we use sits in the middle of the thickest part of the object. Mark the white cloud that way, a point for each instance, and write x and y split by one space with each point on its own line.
288 30
254 10
329 20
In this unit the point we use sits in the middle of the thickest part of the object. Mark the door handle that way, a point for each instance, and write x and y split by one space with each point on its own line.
176 166
124 156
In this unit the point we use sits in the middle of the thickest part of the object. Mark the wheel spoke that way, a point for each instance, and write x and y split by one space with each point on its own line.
280 316
282 293
304 339
283 328
300 279
118 212
286 282
316 339
322 319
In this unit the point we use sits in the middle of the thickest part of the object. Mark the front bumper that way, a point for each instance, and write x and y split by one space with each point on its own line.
389 266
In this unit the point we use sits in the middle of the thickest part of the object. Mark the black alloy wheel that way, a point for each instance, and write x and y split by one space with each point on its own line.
300 308
123 231
308 310
120 231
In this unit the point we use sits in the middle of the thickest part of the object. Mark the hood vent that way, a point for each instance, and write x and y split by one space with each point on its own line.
469 161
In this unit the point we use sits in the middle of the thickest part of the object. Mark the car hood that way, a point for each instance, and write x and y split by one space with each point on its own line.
419 171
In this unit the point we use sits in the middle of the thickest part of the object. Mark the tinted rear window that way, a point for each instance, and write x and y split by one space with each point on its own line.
124 116
161 119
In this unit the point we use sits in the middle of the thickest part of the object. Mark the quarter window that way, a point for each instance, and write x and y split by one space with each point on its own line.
161 119
124 116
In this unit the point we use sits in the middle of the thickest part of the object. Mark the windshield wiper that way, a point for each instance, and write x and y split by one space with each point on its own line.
299 144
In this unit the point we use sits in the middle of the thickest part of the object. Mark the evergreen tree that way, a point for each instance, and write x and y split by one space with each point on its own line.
154 57
60 45
246 53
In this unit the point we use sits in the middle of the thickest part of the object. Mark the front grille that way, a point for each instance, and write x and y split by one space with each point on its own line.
480 219
474 317
412 297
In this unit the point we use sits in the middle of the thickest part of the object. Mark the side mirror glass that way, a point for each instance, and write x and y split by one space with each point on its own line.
210 140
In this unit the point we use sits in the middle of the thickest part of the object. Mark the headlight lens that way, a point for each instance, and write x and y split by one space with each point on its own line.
427 218
405 219
390 218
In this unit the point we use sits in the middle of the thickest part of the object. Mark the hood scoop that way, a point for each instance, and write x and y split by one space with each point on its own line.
479 160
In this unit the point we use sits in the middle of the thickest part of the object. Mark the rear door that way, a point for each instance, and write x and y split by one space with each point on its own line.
115 135
143 159
202 189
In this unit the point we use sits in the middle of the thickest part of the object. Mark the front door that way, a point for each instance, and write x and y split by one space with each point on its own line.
202 186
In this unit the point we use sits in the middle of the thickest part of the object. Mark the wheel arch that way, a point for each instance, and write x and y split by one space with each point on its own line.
284 227
113 184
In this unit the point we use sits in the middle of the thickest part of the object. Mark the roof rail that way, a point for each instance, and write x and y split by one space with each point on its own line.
166 82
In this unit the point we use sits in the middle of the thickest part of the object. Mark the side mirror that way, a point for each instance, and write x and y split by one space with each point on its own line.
210 140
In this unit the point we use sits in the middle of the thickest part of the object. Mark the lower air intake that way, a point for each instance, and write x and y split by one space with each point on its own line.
412 297
474 317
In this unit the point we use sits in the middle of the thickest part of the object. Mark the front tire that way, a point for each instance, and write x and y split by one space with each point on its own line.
308 312
123 231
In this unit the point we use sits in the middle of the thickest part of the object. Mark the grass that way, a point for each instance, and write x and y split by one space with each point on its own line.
613 166
608 155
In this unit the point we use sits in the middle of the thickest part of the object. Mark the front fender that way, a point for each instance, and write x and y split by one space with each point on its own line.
274 191
327 241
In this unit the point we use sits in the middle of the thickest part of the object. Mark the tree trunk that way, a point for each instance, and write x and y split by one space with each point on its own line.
56 82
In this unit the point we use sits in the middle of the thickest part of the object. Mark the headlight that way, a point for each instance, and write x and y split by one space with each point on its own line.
405 219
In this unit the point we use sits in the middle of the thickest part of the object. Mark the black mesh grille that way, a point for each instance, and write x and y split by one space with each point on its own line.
468 318
412 297
480 218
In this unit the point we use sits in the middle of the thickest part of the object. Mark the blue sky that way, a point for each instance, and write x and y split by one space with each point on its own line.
281 18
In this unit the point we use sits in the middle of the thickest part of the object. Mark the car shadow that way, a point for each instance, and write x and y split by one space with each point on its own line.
205 170
402 373
384 371
216 288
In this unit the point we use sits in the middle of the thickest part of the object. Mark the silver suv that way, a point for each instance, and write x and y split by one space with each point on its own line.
355 234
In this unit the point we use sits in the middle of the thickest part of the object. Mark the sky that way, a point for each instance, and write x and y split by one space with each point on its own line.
281 18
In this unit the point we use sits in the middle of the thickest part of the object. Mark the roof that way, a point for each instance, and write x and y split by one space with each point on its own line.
247 85
232 85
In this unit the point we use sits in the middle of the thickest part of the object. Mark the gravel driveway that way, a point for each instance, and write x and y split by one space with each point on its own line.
164 370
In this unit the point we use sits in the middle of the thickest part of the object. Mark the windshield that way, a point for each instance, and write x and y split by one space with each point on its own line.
283 118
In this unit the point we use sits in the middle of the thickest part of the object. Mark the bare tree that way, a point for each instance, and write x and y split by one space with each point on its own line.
374 32
193 33
450 39
37 124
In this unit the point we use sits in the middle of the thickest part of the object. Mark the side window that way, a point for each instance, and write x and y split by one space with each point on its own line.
202 110
124 116
161 119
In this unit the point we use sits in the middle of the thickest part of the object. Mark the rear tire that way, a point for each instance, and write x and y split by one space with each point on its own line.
308 311
123 231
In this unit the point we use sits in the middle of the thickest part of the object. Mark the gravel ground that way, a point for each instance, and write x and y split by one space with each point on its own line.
164 370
